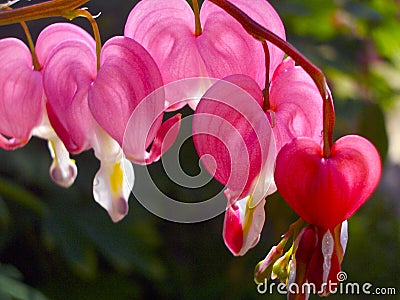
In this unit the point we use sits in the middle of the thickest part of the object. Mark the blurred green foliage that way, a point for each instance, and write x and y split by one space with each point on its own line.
59 244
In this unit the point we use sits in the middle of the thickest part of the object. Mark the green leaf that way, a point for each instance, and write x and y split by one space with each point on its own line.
12 288
61 226
22 196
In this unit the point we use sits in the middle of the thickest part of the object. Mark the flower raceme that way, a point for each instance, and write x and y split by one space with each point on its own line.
253 142
231 126
166 28
90 108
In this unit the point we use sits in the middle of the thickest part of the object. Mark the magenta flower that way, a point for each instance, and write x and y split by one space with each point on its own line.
63 170
23 100
21 94
166 28
91 109
235 142
243 154
325 191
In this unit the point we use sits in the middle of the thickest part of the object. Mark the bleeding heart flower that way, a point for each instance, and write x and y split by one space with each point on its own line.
235 142
166 28
91 109
327 191
21 94
128 85
28 99
245 161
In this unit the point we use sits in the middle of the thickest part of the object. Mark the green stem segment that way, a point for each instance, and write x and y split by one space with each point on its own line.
262 34
198 30
55 8
64 8
35 60
96 32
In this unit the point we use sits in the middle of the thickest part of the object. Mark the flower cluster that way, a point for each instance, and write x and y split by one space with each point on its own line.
261 122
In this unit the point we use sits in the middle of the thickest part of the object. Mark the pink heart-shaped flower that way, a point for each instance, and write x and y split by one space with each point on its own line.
327 191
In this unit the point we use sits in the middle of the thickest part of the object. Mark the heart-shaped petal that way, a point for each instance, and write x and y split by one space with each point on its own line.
128 74
327 191
67 77
225 46
296 102
232 135
21 94
56 33
166 29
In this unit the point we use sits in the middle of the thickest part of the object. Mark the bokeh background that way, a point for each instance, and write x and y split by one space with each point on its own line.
59 244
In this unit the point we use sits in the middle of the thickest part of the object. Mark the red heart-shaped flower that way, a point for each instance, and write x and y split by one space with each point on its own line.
327 191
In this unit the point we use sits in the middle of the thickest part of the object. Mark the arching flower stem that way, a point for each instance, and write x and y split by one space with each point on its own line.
96 32
262 34
63 8
35 61
55 8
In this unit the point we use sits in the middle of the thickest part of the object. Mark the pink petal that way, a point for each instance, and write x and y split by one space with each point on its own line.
232 134
225 45
56 33
327 191
233 231
242 224
297 105
21 94
166 29
67 76
128 74
166 136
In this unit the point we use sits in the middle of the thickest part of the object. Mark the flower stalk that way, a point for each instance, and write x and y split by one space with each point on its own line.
96 32
266 104
55 8
35 61
63 8
198 30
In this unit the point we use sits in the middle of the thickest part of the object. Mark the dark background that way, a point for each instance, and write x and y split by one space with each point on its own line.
59 244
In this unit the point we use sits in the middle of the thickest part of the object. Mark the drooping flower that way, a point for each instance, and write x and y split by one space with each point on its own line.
294 110
166 28
23 100
21 94
90 108
234 140
325 191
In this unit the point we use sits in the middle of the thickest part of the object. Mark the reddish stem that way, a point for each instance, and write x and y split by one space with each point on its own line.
198 30
266 105
262 34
